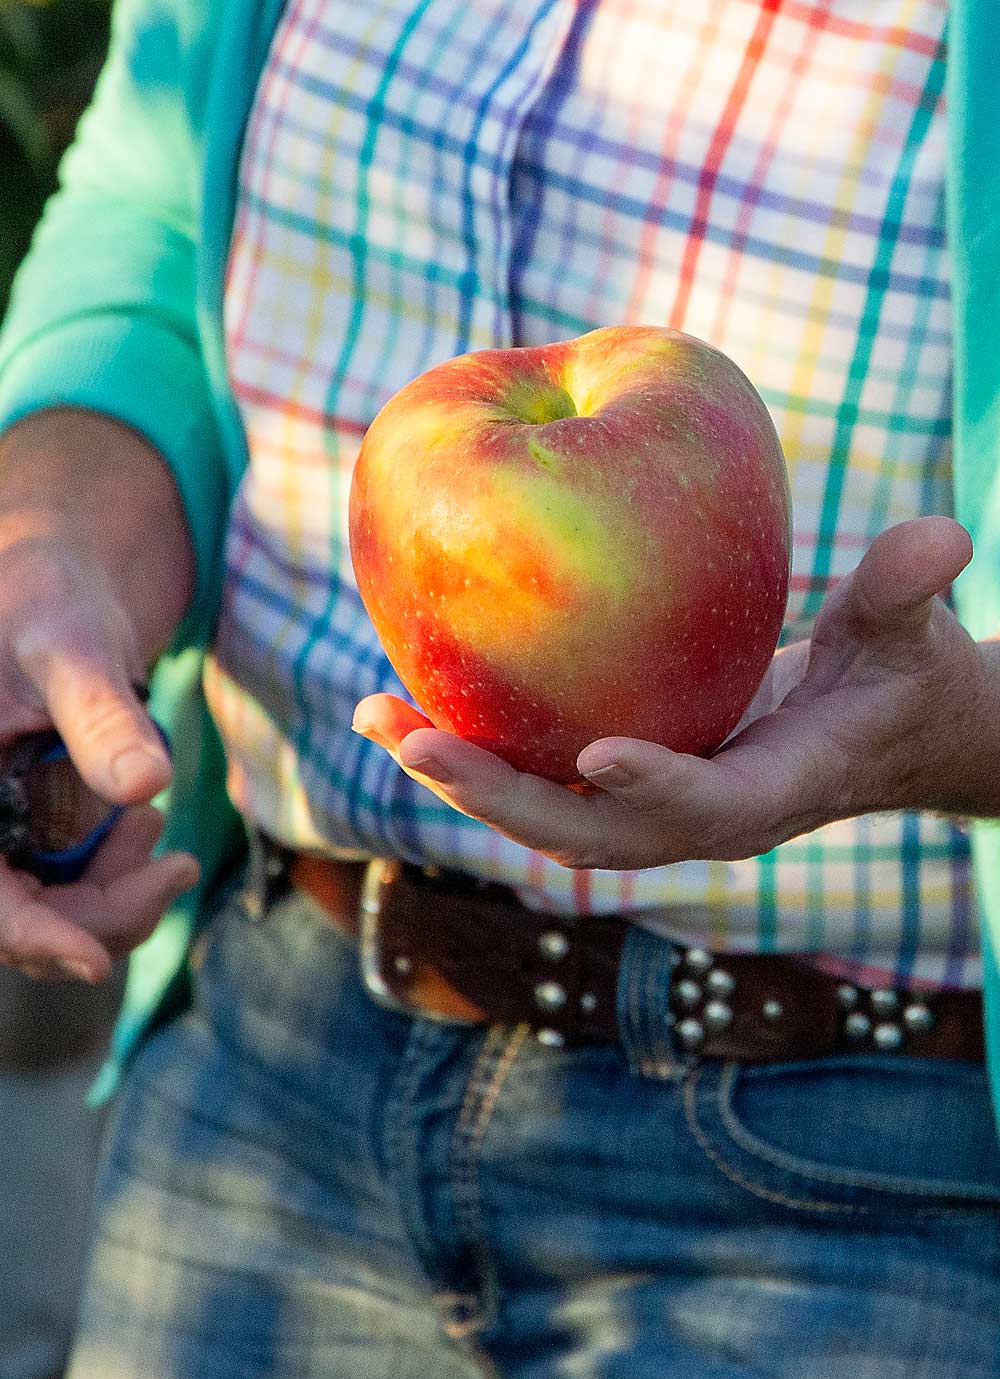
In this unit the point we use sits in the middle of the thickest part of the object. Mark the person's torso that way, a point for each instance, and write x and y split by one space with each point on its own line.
422 179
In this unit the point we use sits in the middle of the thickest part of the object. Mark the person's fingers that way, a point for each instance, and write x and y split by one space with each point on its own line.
783 774
40 941
128 844
126 910
648 777
124 889
110 737
75 930
681 807
533 811
651 806
659 789
386 719
904 569
136 890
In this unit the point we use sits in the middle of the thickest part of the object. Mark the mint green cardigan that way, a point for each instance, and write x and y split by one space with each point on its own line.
119 308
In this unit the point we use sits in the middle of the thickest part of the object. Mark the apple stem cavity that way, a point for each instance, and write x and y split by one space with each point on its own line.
537 406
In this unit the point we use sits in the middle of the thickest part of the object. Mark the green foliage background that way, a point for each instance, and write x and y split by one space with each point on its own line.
50 54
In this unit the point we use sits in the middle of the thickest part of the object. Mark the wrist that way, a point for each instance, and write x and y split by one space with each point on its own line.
83 495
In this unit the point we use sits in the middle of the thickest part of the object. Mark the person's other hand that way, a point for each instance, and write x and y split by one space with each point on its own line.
888 706
69 659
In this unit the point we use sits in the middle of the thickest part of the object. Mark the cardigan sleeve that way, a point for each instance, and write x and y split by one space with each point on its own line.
104 310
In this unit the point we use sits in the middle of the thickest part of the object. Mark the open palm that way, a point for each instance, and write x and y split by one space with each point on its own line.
876 711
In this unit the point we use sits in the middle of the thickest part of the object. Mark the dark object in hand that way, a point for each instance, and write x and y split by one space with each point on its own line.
51 821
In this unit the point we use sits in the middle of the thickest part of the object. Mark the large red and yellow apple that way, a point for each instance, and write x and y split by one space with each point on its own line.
580 540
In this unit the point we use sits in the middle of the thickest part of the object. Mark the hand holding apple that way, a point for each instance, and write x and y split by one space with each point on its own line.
891 705
575 541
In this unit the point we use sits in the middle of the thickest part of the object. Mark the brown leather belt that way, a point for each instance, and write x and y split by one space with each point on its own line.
441 944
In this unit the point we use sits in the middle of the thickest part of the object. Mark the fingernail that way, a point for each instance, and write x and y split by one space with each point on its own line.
31 970
371 735
78 970
611 776
131 767
428 766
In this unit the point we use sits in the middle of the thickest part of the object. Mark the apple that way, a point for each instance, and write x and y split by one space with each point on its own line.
578 540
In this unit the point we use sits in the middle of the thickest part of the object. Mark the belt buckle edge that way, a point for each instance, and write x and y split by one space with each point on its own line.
379 874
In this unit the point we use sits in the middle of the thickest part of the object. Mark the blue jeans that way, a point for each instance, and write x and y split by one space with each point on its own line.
53 1040
300 1183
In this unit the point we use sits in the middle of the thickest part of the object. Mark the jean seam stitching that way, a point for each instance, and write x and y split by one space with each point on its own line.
400 1095
769 1194
486 1081
805 1168
650 1052
639 1054
656 1042
937 1068
690 1115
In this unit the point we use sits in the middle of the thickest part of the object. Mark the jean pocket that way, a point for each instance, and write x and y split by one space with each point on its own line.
851 1134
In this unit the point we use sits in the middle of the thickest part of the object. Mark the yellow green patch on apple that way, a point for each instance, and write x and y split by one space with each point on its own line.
573 541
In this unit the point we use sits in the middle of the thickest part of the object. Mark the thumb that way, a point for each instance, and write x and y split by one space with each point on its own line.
904 569
111 739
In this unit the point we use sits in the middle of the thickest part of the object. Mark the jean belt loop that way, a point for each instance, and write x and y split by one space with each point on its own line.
265 876
643 999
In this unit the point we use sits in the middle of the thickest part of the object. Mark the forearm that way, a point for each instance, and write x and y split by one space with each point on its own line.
96 488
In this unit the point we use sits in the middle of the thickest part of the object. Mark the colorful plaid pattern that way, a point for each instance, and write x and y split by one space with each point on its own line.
420 179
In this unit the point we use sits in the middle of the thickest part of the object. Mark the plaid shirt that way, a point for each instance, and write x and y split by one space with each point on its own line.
420 179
